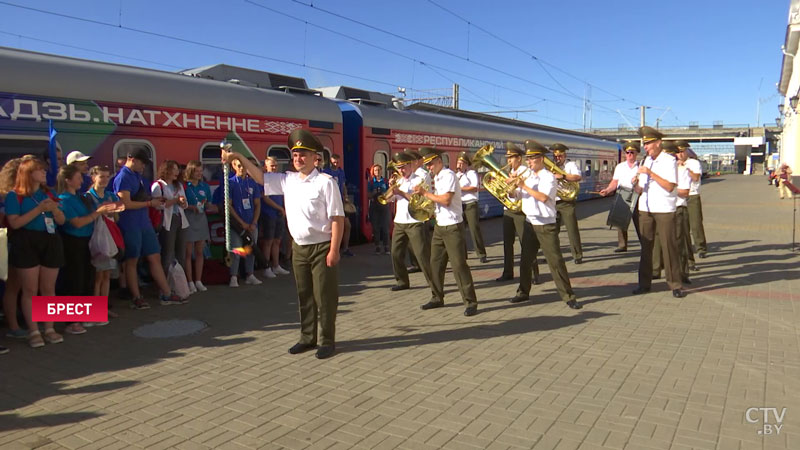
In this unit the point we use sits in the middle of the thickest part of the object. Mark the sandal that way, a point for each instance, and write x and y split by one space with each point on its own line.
52 337
75 328
35 339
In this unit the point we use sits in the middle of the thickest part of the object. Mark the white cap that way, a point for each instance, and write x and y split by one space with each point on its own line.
76 156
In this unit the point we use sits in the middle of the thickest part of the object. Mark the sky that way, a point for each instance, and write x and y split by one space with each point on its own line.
570 64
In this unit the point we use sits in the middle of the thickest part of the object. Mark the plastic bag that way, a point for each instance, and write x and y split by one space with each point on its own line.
177 281
101 244
3 253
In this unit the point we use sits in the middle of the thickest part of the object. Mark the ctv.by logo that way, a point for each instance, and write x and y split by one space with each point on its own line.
755 415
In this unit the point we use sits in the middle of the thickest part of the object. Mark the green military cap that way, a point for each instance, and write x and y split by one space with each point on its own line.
670 147
631 145
533 148
414 154
649 134
558 148
301 139
429 154
513 149
401 159
464 156
683 145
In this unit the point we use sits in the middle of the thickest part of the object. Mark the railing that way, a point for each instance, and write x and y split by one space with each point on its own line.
692 126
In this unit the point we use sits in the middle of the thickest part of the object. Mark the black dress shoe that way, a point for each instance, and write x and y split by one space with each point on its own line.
471 311
640 291
399 288
574 304
694 269
677 293
484 259
536 280
657 276
414 269
518 298
686 281
431 305
620 250
579 261
326 351
301 347
702 255
504 278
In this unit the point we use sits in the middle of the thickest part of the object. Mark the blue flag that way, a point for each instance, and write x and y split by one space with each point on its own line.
52 171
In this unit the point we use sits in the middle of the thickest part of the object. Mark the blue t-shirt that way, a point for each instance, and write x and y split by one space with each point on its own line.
337 175
197 193
244 192
15 207
131 219
108 196
73 207
269 211
377 186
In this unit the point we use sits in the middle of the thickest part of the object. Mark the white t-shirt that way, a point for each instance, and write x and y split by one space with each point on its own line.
654 198
694 165
536 212
468 179
401 214
572 169
624 174
310 203
684 182
445 182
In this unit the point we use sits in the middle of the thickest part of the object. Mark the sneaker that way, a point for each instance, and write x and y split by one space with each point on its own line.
347 252
377 250
234 282
251 279
192 289
269 273
280 271
200 286
3 350
139 303
386 251
19 333
95 324
170 299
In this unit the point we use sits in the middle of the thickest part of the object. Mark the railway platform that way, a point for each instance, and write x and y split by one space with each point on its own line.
719 369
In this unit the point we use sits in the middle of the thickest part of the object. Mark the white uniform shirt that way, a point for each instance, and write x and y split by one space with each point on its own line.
654 198
310 204
694 165
401 214
684 182
624 174
521 171
445 182
468 179
572 169
536 212
422 173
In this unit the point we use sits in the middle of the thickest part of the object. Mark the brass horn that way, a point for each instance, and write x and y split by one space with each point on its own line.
495 181
566 190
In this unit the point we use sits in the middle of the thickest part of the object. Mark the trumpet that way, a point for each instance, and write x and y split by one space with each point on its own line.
496 181
394 183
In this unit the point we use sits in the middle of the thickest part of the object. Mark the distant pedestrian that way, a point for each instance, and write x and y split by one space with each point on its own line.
784 176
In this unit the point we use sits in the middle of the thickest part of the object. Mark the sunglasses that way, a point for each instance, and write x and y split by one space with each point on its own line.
630 153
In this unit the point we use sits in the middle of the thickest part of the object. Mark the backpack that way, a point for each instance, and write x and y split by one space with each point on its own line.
156 215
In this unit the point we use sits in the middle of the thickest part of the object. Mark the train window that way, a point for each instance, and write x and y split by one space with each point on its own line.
282 154
124 146
596 169
446 159
587 171
380 158
326 157
15 146
605 166
210 156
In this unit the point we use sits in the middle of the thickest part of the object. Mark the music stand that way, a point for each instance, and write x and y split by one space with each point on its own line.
795 192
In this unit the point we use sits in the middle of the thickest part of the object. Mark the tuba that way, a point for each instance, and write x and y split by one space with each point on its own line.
421 208
495 181
394 183
567 190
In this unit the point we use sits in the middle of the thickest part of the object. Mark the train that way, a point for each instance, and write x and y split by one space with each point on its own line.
106 110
